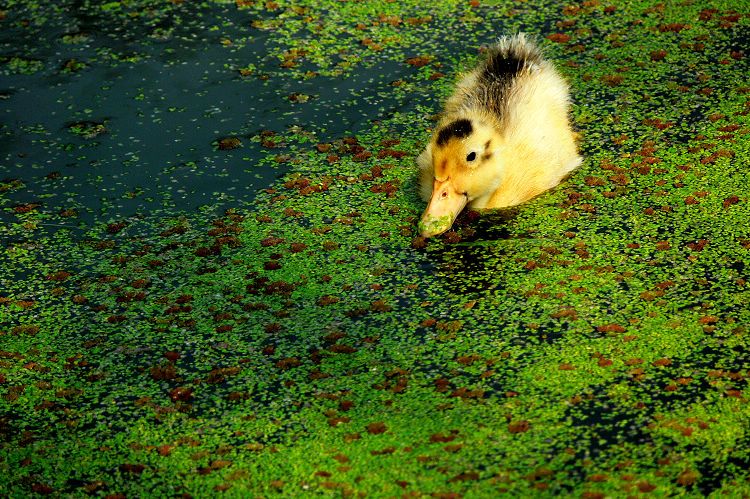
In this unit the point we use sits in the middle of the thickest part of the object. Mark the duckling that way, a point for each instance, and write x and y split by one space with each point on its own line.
503 137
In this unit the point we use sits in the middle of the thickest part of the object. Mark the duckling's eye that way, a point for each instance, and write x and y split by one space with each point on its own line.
471 156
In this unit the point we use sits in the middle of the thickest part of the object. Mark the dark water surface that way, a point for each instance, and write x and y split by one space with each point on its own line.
162 112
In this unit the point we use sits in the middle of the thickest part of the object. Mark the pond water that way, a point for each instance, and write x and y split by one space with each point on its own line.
114 139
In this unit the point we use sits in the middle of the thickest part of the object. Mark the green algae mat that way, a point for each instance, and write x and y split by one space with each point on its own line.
211 281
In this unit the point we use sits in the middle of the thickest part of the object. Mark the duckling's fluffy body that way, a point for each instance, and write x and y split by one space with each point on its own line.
503 137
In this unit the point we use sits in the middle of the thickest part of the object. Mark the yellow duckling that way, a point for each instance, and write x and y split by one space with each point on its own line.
503 138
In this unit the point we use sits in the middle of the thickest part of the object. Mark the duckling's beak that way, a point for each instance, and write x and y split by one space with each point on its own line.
444 206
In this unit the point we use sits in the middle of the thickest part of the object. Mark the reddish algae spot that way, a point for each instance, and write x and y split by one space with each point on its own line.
288 363
672 27
181 394
730 201
611 328
520 426
116 227
558 38
645 486
688 478
612 80
708 319
297 247
376 428
442 437
418 61
335 421
271 241
463 477
228 143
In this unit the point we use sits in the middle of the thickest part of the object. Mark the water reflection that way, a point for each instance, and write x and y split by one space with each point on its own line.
470 266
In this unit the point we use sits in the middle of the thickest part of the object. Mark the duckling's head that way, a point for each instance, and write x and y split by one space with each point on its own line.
460 166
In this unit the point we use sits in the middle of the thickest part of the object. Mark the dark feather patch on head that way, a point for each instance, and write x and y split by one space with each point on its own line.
459 129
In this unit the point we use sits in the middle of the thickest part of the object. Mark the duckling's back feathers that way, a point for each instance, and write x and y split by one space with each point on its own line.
508 58
487 90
